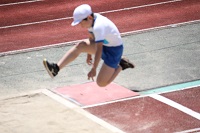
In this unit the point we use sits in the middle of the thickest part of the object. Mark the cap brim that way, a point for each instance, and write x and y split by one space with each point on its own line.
75 23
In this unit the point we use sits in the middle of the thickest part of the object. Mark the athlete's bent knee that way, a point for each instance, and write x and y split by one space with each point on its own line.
101 84
81 44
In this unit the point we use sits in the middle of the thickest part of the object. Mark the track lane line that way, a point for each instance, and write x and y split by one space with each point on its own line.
160 27
111 11
142 6
190 130
176 105
69 43
18 3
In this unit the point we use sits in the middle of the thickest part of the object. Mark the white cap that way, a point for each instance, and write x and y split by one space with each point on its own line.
80 13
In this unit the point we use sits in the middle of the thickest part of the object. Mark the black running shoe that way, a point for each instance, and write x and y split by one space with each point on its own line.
51 68
125 63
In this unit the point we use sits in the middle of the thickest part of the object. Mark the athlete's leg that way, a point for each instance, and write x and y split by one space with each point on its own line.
83 47
107 75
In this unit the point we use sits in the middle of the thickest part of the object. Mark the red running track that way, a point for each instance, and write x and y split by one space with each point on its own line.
51 9
36 35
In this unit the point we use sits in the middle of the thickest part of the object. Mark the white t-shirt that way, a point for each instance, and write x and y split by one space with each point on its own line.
105 31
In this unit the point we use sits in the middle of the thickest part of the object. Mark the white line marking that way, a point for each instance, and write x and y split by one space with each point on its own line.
77 109
114 101
39 48
160 27
66 18
176 105
134 97
17 3
32 23
142 6
73 42
69 98
189 131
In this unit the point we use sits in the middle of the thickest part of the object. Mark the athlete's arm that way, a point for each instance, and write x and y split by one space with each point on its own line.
89 56
99 48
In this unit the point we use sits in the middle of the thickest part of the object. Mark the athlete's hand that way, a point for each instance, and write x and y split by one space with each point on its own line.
92 74
89 59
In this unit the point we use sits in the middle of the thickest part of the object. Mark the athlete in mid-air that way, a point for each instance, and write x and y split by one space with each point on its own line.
104 42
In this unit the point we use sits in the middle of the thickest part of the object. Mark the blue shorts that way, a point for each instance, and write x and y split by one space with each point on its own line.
112 55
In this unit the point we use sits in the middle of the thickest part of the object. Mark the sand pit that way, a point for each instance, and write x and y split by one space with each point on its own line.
38 113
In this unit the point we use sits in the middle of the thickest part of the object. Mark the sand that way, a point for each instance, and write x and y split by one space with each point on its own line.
38 113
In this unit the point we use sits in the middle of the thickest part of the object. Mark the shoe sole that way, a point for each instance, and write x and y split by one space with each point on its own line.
129 63
46 67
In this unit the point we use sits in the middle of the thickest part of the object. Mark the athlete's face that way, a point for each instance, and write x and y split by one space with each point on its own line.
87 23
